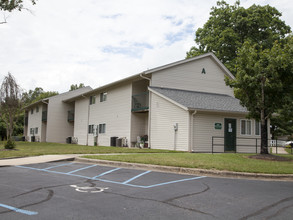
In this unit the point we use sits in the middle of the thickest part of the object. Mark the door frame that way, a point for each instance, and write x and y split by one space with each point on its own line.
228 140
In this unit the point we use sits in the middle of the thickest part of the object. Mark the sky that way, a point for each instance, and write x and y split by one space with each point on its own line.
95 42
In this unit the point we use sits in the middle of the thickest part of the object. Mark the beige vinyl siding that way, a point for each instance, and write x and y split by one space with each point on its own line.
58 128
81 120
164 116
204 129
35 121
189 76
115 112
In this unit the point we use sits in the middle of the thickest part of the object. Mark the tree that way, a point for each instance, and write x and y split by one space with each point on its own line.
282 121
75 86
229 26
264 81
10 5
30 96
35 95
10 103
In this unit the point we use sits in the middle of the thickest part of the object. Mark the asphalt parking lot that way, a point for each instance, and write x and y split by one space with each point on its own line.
65 190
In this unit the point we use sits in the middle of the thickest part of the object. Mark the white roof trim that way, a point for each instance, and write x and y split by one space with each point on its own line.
168 99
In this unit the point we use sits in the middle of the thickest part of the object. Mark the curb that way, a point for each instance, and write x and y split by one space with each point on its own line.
190 171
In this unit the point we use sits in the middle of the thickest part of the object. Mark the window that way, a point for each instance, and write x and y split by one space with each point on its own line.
37 109
103 97
32 131
36 130
245 127
257 128
32 111
92 100
102 128
91 129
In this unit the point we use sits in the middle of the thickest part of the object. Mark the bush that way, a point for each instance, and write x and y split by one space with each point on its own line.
9 145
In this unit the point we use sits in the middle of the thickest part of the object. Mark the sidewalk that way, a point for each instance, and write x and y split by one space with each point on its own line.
36 159
278 150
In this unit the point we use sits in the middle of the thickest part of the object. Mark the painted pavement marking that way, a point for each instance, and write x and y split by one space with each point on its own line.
135 177
107 172
22 211
82 169
89 189
60 165
126 183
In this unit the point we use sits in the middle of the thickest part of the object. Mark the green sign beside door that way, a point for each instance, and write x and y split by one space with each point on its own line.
218 126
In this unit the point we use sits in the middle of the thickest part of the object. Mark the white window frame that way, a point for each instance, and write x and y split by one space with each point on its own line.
36 130
32 111
245 133
92 100
259 128
90 129
102 128
103 96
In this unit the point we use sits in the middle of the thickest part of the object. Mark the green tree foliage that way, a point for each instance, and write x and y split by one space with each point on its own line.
36 95
10 105
10 5
264 80
75 86
27 98
282 121
229 26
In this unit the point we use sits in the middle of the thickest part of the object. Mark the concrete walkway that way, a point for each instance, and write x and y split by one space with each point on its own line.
36 159
279 150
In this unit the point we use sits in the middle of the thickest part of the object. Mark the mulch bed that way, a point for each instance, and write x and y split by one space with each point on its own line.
269 157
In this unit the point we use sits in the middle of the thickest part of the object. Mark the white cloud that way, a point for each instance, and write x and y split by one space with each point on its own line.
95 42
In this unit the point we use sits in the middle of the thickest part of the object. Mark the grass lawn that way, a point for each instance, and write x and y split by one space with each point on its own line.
231 162
24 149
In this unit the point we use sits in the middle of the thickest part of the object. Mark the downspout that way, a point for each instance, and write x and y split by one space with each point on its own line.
47 103
191 131
88 119
144 77
149 119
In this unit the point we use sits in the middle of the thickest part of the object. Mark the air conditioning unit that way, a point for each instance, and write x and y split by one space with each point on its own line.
121 142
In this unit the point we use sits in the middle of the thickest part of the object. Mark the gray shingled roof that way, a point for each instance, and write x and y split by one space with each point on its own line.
202 100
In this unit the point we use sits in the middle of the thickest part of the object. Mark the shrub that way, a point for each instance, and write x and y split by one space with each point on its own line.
9 145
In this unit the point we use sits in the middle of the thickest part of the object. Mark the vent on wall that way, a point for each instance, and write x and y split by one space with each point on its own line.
203 71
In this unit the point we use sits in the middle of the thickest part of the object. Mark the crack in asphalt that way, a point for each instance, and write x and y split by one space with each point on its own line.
279 212
267 208
38 189
49 196
191 194
168 202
